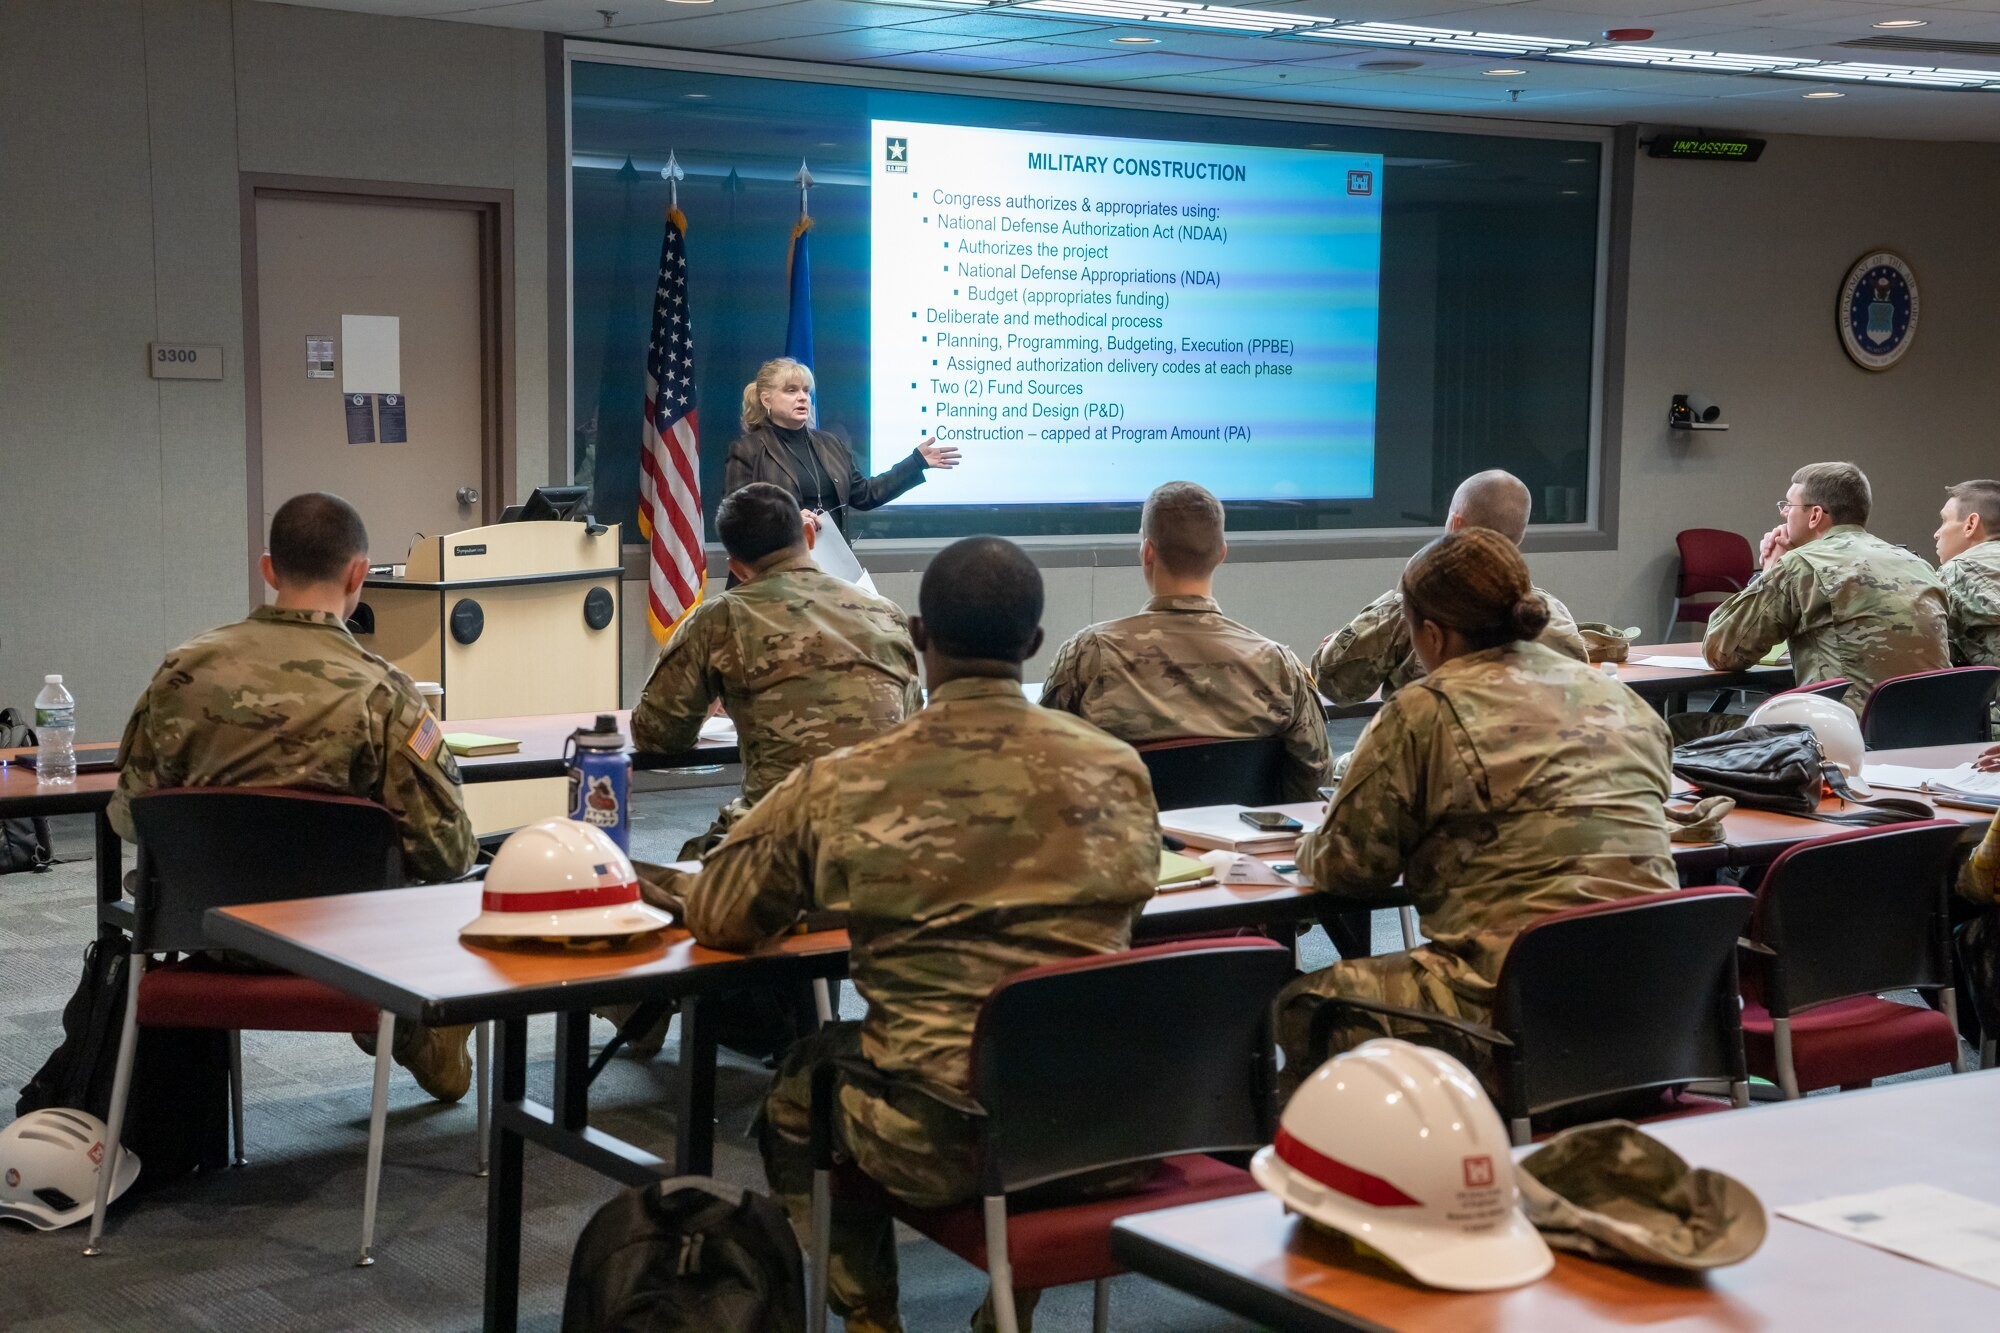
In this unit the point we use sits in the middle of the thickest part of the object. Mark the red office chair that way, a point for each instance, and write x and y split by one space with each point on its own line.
225 847
1714 564
1832 689
1839 920
1615 1005
1200 770
1158 1054
1948 707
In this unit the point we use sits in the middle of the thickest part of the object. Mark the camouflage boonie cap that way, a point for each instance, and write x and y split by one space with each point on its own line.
1701 822
1611 1191
1606 643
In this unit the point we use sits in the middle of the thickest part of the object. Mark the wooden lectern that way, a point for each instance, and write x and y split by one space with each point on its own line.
513 619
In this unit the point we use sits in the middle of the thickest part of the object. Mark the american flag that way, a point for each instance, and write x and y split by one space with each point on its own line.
669 465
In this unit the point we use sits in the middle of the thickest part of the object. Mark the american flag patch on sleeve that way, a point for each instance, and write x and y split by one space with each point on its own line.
424 741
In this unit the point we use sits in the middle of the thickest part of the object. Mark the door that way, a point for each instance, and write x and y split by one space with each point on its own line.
424 265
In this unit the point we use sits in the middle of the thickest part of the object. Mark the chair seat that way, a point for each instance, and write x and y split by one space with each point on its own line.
1668 1105
1851 1041
195 995
1071 1242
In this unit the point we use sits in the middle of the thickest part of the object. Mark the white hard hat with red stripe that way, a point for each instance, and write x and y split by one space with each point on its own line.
1398 1146
561 878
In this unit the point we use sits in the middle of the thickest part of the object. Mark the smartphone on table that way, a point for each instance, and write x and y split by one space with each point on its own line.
1271 821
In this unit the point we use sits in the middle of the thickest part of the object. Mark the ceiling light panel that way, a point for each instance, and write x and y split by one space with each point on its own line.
1225 18
1909 76
1666 57
1443 39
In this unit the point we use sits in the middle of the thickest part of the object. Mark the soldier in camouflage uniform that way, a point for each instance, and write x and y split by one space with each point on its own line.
983 836
1373 651
1510 782
1969 568
1849 604
287 698
1180 668
803 662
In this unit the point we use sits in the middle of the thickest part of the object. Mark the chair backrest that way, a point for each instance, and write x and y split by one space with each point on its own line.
1201 771
1622 996
1856 913
1833 689
1930 708
1117 1058
203 847
1713 560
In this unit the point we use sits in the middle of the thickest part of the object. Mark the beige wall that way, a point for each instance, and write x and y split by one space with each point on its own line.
127 124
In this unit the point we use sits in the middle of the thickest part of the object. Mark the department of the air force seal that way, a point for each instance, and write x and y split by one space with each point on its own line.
1878 310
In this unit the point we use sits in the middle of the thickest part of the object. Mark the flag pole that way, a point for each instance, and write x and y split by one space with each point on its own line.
674 176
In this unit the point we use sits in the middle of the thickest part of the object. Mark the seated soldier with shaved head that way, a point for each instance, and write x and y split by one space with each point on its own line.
1969 568
983 836
1180 668
287 698
1373 651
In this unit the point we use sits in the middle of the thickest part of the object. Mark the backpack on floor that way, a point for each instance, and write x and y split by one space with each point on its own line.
177 1112
686 1255
24 843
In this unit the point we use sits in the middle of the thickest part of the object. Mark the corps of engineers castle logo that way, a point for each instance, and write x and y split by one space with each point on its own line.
896 155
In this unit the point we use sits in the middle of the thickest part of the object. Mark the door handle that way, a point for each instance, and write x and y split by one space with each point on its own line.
468 495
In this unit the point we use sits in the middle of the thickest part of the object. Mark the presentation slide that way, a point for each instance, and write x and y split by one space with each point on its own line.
1087 317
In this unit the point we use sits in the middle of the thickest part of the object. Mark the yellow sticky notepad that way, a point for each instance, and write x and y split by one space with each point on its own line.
1178 869
1779 652
468 744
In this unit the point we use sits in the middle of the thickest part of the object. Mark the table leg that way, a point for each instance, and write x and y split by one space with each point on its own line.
572 1077
694 1145
503 1185
110 855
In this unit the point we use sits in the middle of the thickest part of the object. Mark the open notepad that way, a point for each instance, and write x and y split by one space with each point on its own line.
1964 785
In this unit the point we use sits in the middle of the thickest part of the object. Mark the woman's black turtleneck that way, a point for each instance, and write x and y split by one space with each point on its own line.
816 490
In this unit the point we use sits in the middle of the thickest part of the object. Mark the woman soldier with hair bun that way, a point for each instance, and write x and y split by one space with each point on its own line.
1509 782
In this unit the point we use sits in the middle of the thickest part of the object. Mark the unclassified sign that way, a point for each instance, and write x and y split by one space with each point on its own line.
185 361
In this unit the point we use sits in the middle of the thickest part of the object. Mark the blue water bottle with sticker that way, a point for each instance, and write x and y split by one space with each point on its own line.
600 780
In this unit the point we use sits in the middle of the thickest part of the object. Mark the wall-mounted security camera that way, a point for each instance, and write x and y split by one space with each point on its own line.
1693 412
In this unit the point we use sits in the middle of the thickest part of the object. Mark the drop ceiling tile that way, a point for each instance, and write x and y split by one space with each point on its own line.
1040 53
967 61
1276 73
711 31
1003 25
1148 64
854 44
580 18
1216 46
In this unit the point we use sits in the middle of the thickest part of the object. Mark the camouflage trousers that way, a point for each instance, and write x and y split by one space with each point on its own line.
699 846
914 1146
1685 727
1397 979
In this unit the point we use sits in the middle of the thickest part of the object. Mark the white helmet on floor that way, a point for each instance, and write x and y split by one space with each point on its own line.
1839 731
562 879
48 1168
1397 1146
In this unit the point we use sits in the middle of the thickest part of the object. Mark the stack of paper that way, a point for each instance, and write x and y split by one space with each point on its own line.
1964 785
718 729
1222 826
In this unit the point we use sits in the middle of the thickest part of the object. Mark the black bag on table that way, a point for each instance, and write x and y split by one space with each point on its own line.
24 842
686 1255
1780 766
177 1112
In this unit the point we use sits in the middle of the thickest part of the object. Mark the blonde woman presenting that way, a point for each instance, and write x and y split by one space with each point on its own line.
777 446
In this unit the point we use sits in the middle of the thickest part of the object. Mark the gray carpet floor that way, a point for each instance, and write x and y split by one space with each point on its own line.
271 1246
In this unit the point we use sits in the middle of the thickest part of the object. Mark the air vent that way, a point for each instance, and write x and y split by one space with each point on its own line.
1384 66
1937 45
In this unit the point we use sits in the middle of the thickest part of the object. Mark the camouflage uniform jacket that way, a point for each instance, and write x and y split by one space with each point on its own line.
983 836
1181 668
805 663
1506 785
1972 593
1850 605
289 699
1373 651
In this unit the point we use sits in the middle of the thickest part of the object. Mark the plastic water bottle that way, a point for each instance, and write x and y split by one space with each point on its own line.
55 732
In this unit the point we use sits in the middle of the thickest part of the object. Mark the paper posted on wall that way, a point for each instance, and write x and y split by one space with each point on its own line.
833 555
